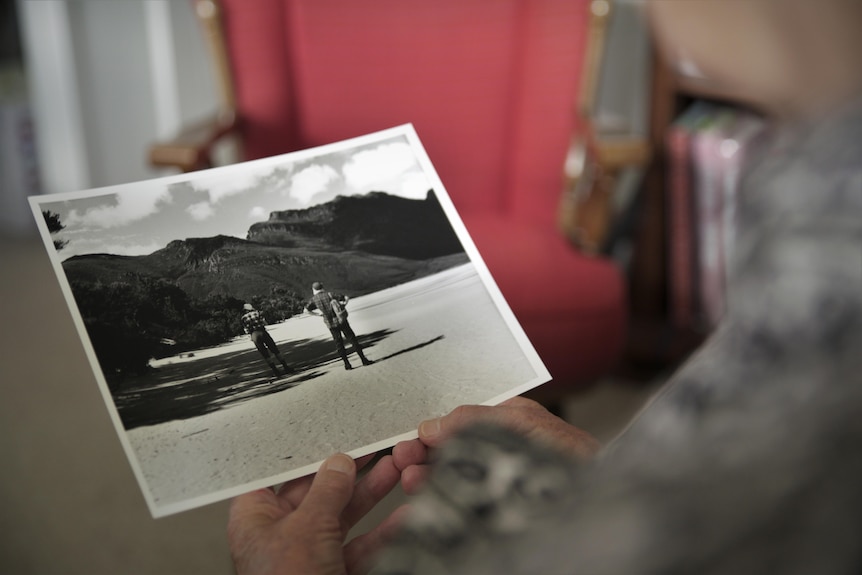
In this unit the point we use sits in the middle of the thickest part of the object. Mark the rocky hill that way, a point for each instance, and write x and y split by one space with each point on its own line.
376 223
354 244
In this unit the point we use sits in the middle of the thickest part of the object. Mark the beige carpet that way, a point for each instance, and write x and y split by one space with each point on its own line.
70 503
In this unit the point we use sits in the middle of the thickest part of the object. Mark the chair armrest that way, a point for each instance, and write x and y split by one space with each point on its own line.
616 153
191 149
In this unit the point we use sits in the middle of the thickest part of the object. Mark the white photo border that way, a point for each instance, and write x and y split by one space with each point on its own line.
405 130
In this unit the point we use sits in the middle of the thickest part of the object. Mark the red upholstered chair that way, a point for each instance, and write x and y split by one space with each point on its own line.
490 86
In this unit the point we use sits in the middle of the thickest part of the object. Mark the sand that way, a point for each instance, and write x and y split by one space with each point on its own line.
439 343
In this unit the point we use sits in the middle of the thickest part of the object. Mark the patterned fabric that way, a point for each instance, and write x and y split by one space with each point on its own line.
322 301
252 321
749 460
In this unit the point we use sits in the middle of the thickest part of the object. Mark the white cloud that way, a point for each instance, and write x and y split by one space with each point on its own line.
130 207
136 249
201 211
380 165
220 186
82 243
310 181
415 185
258 213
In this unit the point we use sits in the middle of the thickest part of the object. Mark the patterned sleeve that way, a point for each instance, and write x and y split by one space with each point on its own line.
746 463
795 290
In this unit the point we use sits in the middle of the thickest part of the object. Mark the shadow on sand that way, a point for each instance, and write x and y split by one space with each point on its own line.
199 386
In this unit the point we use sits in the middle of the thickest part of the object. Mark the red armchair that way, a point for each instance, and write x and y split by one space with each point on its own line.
490 86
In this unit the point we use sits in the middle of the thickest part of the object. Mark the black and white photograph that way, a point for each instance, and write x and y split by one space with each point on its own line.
245 322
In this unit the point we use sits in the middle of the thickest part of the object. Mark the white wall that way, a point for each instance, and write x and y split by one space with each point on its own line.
622 99
108 78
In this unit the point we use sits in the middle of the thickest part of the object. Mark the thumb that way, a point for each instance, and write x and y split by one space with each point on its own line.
332 487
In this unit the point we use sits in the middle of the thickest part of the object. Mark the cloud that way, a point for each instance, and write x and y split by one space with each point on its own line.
258 213
370 168
220 186
123 209
415 186
312 180
278 180
82 243
136 249
201 211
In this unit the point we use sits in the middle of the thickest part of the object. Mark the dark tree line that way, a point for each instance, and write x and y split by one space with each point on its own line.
54 224
280 304
143 317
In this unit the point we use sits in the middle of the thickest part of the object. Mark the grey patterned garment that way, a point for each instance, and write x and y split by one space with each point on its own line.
750 460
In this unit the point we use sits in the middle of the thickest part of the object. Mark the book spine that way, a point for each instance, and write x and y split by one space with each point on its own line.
709 164
681 241
735 149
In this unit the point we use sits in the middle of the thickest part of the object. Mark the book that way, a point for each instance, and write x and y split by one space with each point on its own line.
709 188
682 231
734 151
707 146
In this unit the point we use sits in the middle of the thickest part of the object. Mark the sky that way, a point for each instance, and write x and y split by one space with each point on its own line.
140 218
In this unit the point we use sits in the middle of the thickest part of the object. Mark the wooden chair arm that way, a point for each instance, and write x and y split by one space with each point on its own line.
191 149
617 153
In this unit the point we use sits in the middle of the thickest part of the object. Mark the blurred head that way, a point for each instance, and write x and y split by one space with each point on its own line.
791 58
317 286
247 307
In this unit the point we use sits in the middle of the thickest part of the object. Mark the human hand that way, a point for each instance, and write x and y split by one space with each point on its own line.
301 527
519 414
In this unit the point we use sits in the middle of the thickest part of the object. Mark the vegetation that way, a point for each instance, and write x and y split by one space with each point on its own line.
189 294
281 304
54 224
142 317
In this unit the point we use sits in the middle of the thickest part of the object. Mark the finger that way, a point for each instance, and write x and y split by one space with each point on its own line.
359 553
361 462
331 488
433 432
518 414
414 477
371 489
407 453
248 515
255 508
522 402
291 493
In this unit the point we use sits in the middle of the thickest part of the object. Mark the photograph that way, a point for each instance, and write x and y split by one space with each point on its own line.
247 321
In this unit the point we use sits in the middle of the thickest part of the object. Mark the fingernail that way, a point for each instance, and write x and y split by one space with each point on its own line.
429 428
340 463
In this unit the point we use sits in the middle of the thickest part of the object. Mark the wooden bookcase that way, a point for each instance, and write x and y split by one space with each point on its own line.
653 340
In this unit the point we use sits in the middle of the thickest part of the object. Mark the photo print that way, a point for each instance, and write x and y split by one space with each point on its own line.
245 322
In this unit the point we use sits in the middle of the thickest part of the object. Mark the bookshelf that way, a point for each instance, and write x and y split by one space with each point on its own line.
630 105
656 339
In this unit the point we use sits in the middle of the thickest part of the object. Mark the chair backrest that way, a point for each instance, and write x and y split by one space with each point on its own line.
490 85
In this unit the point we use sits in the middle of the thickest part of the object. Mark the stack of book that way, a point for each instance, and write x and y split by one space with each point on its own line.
707 148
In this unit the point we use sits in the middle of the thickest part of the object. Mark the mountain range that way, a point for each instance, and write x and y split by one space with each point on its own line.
353 245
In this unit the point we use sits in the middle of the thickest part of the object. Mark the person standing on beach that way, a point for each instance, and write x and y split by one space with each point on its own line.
255 326
334 311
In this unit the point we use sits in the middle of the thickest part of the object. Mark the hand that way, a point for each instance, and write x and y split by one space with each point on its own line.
519 414
301 528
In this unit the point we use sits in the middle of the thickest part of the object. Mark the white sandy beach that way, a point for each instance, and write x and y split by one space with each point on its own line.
447 345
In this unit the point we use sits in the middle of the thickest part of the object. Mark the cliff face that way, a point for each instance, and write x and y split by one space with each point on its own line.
354 244
194 254
375 223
